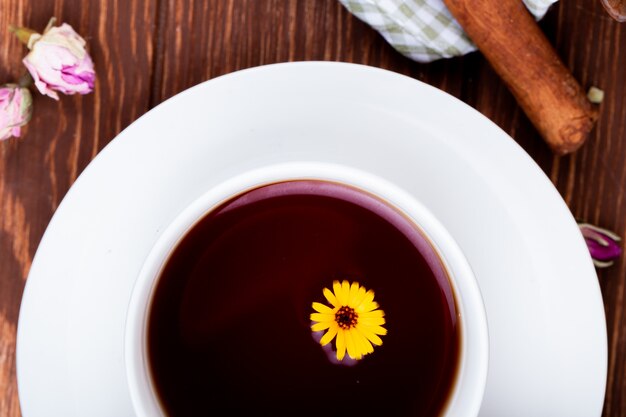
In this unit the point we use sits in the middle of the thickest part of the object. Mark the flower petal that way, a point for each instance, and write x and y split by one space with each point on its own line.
354 289
331 297
372 314
338 293
369 297
358 345
322 308
350 345
602 244
376 329
322 317
359 342
362 340
321 326
15 110
372 305
345 292
359 296
371 336
341 344
329 336
608 252
58 61
372 321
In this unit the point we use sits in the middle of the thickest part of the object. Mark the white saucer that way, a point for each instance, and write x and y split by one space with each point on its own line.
548 350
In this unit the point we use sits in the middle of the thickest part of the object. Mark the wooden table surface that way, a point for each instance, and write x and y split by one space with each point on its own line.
145 51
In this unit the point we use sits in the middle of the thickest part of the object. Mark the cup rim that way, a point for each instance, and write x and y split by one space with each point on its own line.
465 397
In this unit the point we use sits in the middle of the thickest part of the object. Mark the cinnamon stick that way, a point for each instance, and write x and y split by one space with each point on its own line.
513 43
616 9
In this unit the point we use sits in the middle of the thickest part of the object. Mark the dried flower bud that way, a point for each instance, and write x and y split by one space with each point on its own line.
16 107
603 244
58 61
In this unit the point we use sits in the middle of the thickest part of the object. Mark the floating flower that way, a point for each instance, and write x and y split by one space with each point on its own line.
354 320
15 110
602 244
58 60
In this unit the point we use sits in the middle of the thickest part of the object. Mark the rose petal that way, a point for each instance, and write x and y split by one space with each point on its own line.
59 62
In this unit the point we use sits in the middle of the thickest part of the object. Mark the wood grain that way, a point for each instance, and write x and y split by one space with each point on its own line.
37 170
146 51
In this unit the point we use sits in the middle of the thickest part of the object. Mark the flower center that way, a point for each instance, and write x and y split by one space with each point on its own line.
346 317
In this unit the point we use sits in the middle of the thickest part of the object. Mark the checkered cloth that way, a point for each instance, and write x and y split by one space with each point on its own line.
423 30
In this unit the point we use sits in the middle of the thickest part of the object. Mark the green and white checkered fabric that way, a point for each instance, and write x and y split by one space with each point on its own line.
423 30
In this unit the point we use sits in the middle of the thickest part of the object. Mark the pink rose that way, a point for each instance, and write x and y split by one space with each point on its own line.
58 61
15 110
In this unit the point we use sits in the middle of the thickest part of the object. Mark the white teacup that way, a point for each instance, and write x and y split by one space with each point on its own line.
467 392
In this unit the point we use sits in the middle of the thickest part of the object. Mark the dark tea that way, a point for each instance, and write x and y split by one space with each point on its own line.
229 326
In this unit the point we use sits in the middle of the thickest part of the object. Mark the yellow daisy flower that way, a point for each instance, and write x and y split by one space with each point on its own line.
354 319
